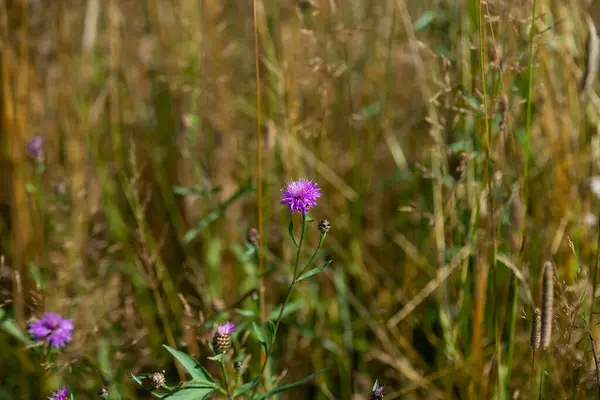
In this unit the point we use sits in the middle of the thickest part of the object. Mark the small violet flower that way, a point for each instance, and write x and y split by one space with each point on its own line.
300 195
226 329
60 394
53 329
35 148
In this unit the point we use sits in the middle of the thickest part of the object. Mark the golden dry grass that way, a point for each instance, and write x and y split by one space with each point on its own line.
368 98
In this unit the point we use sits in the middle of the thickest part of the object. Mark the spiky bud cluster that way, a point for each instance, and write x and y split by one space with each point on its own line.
536 329
238 365
157 380
222 340
324 226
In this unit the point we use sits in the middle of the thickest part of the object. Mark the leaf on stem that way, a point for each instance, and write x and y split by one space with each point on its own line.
313 271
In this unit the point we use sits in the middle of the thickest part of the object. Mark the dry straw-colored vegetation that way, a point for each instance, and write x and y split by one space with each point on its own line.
456 152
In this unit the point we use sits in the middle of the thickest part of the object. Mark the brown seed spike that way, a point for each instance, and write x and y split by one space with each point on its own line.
547 303
536 328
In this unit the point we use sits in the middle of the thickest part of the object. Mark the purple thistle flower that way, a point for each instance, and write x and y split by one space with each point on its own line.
53 329
300 195
35 148
60 394
226 329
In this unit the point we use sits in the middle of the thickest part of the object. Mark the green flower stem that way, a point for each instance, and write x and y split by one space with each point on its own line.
312 258
238 375
287 298
225 380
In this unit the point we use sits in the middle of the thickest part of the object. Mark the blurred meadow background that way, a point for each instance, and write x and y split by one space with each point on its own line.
456 143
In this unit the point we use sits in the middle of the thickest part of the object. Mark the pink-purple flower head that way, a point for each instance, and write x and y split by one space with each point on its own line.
60 394
300 195
53 329
226 329
35 148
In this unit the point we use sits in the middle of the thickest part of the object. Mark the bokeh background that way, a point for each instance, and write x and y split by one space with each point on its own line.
447 181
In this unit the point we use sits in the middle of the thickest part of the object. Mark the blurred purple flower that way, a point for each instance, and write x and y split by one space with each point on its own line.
377 393
53 329
226 329
35 148
60 394
300 195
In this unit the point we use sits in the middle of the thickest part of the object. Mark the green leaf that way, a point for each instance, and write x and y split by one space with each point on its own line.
291 232
192 366
426 19
190 392
271 331
245 387
139 378
10 327
195 191
369 111
313 271
260 334
245 313
214 215
293 385
37 275
375 385
218 357
289 309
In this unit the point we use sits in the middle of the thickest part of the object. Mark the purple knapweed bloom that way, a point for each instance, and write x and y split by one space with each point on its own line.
35 148
60 394
226 329
53 329
300 195
222 340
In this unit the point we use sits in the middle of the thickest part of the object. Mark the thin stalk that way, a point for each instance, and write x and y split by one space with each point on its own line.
225 379
532 377
512 323
542 378
287 298
489 175
595 284
312 258
238 375
529 102
261 267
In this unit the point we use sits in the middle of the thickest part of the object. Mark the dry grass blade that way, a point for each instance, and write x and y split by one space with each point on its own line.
433 284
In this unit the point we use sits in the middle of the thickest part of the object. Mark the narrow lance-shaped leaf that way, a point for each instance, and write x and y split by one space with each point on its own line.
181 190
260 334
291 232
214 215
245 387
313 271
293 385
